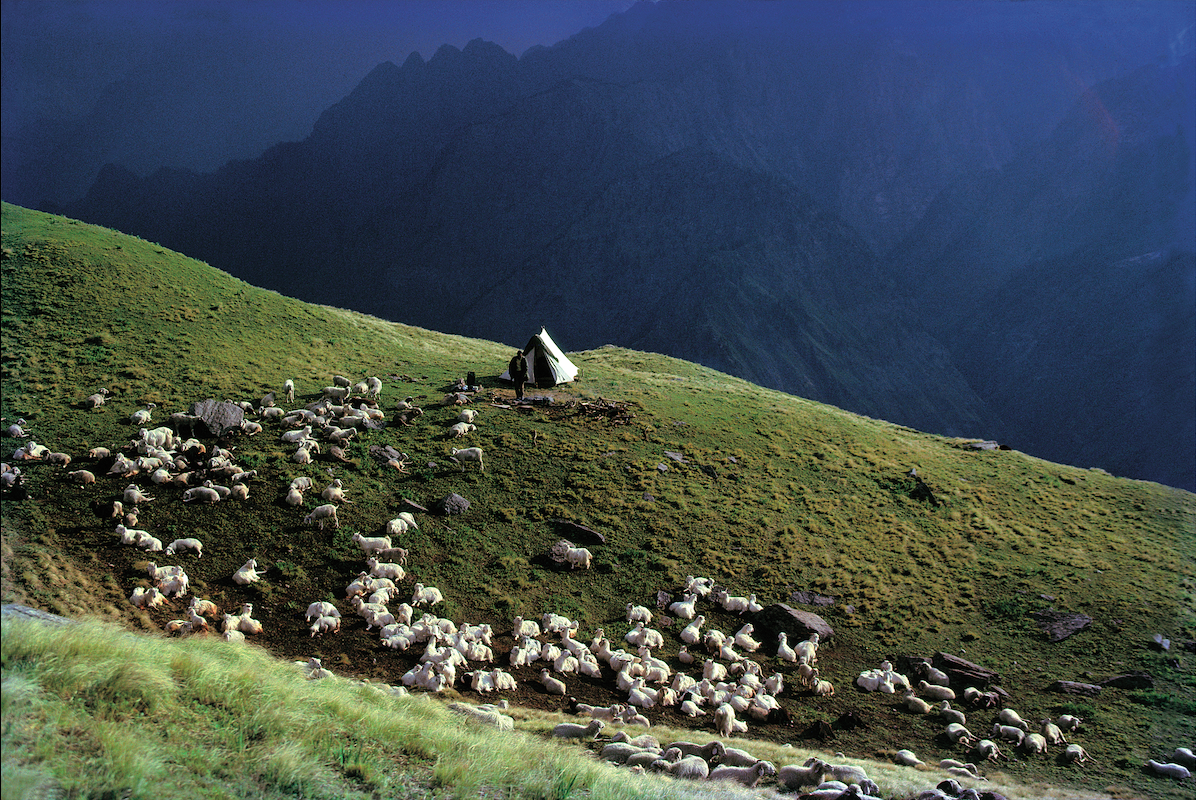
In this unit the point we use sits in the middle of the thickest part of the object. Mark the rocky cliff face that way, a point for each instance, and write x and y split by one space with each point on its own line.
866 226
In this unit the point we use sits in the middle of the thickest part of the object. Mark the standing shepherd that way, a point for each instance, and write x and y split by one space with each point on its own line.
518 371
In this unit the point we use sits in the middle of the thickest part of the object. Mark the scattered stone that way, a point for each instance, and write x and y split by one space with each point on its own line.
1161 643
811 598
1130 680
649 498
663 598
579 533
411 505
452 504
1058 625
662 467
796 624
218 416
680 459
963 672
1071 687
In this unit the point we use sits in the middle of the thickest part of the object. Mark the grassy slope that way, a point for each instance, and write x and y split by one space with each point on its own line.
806 497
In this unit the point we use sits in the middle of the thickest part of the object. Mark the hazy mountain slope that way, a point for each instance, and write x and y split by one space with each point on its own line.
1057 285
476 193
774 493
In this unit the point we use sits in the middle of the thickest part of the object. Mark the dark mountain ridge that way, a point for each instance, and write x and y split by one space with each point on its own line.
824 220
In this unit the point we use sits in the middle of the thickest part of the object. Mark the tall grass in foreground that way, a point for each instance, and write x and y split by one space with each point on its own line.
96 711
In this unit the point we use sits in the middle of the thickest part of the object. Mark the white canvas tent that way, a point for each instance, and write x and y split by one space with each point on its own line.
546 364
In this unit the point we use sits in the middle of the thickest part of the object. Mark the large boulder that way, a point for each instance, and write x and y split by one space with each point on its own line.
797 625
218 416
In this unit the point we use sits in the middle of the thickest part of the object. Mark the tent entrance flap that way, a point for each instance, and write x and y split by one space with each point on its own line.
546 364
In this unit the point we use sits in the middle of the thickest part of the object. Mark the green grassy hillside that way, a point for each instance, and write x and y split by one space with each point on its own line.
773 494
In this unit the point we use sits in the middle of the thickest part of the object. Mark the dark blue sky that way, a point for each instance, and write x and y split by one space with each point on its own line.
195 83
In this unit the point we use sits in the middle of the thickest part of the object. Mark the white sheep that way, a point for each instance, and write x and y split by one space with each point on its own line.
1008 716
467 415
185 545
15 431
288 390
460 429
370 544
133 496
793 777
578 557
724 719
247 574
143 415
743 638
692 633
381 569
61 459
748 776
1051 732
468 454
202 494
1074 754
321 513
426 595
373 387
96 400
334 492
1169 770
551 684
1185 756
570 730
638 614
79 476
784 651
934 691
150 544
147 598
686 608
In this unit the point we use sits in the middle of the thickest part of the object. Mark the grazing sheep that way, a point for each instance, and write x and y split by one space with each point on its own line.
578 557
748 776
247 574
468 454
185 545
321 513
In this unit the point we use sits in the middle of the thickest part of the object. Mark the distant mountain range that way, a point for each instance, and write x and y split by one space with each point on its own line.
922 232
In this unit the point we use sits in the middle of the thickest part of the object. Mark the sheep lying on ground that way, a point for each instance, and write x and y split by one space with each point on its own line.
569 730
202 494
459 429
247 574
748 776
185 545
79 476
1169 770
793 777
426 595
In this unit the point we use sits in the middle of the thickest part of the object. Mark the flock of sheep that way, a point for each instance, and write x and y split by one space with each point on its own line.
728 682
